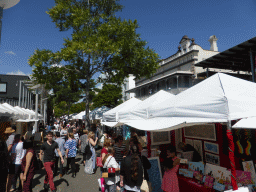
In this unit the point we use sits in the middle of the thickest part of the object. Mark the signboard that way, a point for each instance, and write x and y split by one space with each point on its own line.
155 175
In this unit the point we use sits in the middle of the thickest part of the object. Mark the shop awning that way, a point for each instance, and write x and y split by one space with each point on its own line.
236 58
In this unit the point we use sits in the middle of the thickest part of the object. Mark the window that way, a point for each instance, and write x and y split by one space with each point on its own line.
3 87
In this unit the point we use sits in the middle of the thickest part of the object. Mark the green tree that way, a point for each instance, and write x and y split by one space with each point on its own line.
77 108
100 43
60 109
110 96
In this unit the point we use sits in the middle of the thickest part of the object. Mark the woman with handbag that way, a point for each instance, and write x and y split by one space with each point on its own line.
131 174
91 157
112 167
103 153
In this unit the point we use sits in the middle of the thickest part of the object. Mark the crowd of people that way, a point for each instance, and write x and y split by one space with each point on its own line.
122 160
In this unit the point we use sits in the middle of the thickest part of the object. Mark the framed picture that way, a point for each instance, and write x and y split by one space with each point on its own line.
160 138
206 132
211 158
199 147
211 147
189 141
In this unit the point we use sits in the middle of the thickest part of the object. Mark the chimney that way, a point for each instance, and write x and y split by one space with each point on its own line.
213 42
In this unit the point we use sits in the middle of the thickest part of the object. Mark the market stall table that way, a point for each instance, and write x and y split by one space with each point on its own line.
187 184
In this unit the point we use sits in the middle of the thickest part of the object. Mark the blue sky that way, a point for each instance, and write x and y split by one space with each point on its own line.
27 27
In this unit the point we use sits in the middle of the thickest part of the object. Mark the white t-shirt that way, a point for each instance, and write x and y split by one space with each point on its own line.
20 152
111 163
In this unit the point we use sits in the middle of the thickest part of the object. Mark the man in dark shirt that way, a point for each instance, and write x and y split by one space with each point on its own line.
48 148
187 147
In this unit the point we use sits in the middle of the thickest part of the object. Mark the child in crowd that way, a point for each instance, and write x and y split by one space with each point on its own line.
170 180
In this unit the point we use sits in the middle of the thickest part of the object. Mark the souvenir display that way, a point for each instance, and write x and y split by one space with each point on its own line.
186 173
196 166
249 167
209 181
219 187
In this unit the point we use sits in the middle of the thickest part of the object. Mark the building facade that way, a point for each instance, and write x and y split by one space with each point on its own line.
177 72
129 83
13 89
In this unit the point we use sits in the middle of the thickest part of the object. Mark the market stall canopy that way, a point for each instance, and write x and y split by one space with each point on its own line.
26 120
10 108
79 115
97 113
247 123
219 98
112 124
140 111
160 124
112 115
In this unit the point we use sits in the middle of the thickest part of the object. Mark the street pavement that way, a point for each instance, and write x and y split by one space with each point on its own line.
83 182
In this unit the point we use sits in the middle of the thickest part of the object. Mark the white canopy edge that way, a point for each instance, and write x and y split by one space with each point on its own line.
247 123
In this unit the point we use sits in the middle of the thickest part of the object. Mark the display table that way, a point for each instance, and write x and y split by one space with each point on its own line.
187 184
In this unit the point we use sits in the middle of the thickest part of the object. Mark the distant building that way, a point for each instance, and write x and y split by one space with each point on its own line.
129 83
177 72
10 89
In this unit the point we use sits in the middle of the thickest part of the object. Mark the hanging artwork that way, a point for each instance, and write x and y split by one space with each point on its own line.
206 132
189 141
249 167
211 147
160 138
244 144
213 159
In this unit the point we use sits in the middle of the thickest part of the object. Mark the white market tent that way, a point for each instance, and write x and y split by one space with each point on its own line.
219 98
247 123
140 111
110 118
79 115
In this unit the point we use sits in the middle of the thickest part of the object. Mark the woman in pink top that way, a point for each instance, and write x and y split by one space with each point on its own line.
170 181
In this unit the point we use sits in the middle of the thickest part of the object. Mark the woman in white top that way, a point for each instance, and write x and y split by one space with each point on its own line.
17 154
110 162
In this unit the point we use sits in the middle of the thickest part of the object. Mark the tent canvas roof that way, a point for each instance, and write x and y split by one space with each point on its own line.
140 110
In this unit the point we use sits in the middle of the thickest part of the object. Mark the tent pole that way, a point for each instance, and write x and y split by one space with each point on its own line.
231 148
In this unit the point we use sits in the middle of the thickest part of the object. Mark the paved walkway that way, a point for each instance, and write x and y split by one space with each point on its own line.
82 182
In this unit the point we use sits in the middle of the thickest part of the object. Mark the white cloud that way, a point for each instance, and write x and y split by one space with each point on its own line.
18 73
10 53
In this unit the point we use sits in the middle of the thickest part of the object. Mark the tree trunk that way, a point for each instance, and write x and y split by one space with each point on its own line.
87 117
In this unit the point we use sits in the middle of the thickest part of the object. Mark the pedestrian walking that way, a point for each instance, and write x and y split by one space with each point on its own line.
83 142
4 164
17 154
131 174
48 148
110 162
93 141
61 143
119 149
64 133
28 166
71 151
10 133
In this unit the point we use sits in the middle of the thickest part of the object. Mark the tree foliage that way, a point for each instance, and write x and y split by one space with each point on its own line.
100 43
110 96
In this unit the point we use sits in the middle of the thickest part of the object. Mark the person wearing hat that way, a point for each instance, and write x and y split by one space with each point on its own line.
10 133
